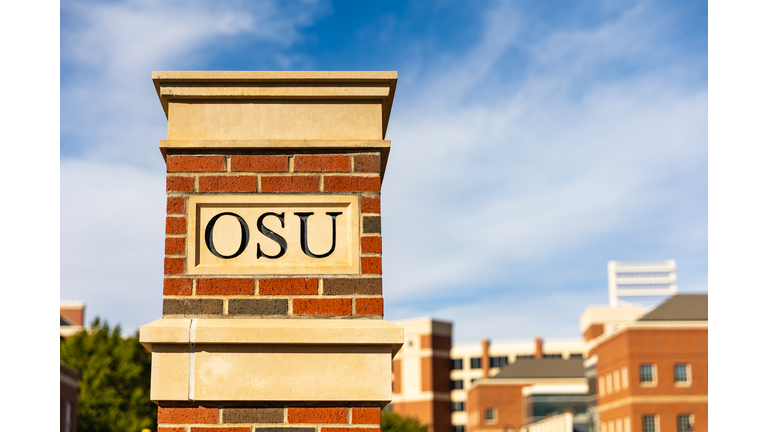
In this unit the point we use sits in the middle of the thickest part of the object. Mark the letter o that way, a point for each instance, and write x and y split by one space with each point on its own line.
244 235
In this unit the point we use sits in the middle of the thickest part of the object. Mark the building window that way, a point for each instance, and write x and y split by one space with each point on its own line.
457 384
608 384
627 424
553 356
649 423
525 356
457 428
682 373
475 363
490 415
616 381
624 377
610 426
647 375
499 362
457 406
684 423
575 356
601 385
457 364
619 425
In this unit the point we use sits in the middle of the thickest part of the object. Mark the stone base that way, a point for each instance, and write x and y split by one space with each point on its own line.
271 360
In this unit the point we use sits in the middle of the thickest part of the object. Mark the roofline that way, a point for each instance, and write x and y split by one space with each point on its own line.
640 325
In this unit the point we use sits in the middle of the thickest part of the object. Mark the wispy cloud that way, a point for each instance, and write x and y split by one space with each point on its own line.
547 165
109 49
520 164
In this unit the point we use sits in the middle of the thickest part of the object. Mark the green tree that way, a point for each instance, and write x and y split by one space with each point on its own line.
392 422
114 380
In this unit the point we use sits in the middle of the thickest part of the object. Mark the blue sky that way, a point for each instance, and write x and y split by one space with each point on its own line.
532 141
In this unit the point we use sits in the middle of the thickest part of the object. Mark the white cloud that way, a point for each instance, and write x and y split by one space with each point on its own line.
110 107
530 172
487 175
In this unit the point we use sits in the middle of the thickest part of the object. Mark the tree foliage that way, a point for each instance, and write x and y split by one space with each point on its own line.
392 422
114 380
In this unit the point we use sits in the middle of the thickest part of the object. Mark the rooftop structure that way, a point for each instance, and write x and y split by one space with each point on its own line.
641 279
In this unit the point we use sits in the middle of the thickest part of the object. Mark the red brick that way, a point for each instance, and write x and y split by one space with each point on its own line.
173 266
171 429
221 429
175 225
371 265
317 415
370 205
196 163
259 163
288 286
290 184
371 244
313 163
174 245
177 286
366 415
367 163
200 415
369 306
175 205
227 184
342 306
351 184
179 184
226 286
349 429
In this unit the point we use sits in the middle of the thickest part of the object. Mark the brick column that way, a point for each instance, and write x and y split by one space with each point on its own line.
353 172
287 331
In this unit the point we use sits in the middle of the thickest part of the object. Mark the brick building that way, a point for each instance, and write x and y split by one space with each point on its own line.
421 381
68 398
527 391
474 361
432 378
648 373
71 317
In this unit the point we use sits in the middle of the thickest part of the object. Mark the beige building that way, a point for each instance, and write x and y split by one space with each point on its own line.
436 392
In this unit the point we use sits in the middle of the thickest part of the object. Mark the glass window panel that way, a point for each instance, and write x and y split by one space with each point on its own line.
646 373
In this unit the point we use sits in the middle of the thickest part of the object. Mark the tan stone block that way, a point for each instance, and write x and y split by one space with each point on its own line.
292 373
227 234
263 105
275 121
170 372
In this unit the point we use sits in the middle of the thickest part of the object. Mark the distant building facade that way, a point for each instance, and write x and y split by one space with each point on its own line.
528 391
68 398
71 317
647 372
471 362
421 373
432 378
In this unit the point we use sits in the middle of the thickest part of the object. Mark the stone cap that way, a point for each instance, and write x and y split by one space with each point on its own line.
263 85
271 331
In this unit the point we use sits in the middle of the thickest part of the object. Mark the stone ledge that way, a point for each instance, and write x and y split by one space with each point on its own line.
272 331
